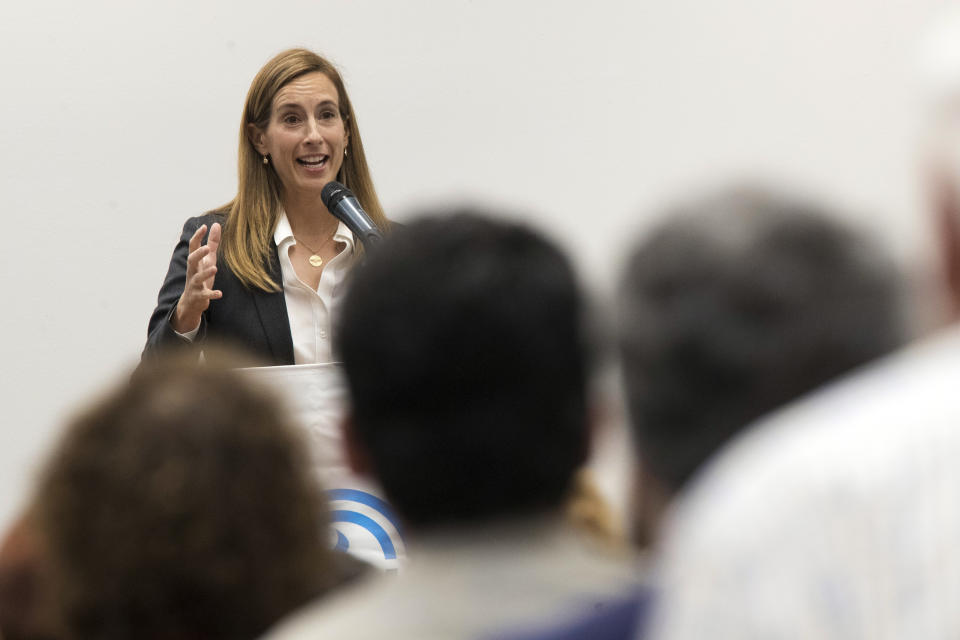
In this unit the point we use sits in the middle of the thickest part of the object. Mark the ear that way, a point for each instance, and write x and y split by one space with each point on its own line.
947 212
257 138
649 501
357 457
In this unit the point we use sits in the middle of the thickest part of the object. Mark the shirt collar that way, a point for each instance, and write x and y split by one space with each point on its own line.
283 233
343 234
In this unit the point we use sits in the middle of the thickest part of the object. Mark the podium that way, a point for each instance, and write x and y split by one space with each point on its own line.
362 523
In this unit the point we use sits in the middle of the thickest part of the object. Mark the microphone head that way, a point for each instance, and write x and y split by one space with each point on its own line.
343 205
333 192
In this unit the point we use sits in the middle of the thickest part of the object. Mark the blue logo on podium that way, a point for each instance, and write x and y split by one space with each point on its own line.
376 529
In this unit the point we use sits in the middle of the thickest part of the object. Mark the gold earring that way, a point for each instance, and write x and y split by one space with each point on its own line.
266 160
345 152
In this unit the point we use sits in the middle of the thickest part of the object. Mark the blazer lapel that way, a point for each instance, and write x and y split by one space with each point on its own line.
272 310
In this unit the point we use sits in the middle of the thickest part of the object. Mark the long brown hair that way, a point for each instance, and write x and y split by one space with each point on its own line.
252 215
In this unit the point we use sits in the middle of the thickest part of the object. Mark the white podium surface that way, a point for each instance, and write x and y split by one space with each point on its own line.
363 524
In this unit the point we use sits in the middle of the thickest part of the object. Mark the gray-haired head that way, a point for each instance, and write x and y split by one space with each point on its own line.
741 302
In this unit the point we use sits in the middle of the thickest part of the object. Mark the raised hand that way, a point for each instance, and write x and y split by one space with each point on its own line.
198 289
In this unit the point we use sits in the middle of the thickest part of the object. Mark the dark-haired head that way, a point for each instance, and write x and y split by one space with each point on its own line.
461 339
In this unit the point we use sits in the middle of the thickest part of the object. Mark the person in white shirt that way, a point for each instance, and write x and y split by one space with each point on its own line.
265 272
838 517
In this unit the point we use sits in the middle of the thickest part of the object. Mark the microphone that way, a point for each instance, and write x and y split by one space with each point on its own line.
341 202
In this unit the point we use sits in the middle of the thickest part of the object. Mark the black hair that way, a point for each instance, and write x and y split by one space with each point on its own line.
461 341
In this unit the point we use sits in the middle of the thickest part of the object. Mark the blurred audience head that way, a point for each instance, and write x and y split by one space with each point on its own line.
939 92
22 583
182 505
461 340
743 301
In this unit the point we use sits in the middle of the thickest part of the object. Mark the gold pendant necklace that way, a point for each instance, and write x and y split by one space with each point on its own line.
315 260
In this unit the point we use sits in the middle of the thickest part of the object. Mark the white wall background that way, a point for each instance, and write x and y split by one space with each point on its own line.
119 120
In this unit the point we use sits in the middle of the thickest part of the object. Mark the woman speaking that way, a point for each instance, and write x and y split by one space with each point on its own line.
266 271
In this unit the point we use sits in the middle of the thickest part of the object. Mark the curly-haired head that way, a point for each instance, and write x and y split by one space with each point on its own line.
181 505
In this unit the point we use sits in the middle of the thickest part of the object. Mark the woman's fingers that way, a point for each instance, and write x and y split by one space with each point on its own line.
201 269
193 260
213 240
197 237
203 296
201 277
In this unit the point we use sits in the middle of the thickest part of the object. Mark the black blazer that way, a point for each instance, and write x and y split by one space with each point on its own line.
250 319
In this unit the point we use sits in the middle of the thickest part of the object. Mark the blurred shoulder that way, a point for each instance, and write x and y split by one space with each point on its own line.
362 610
